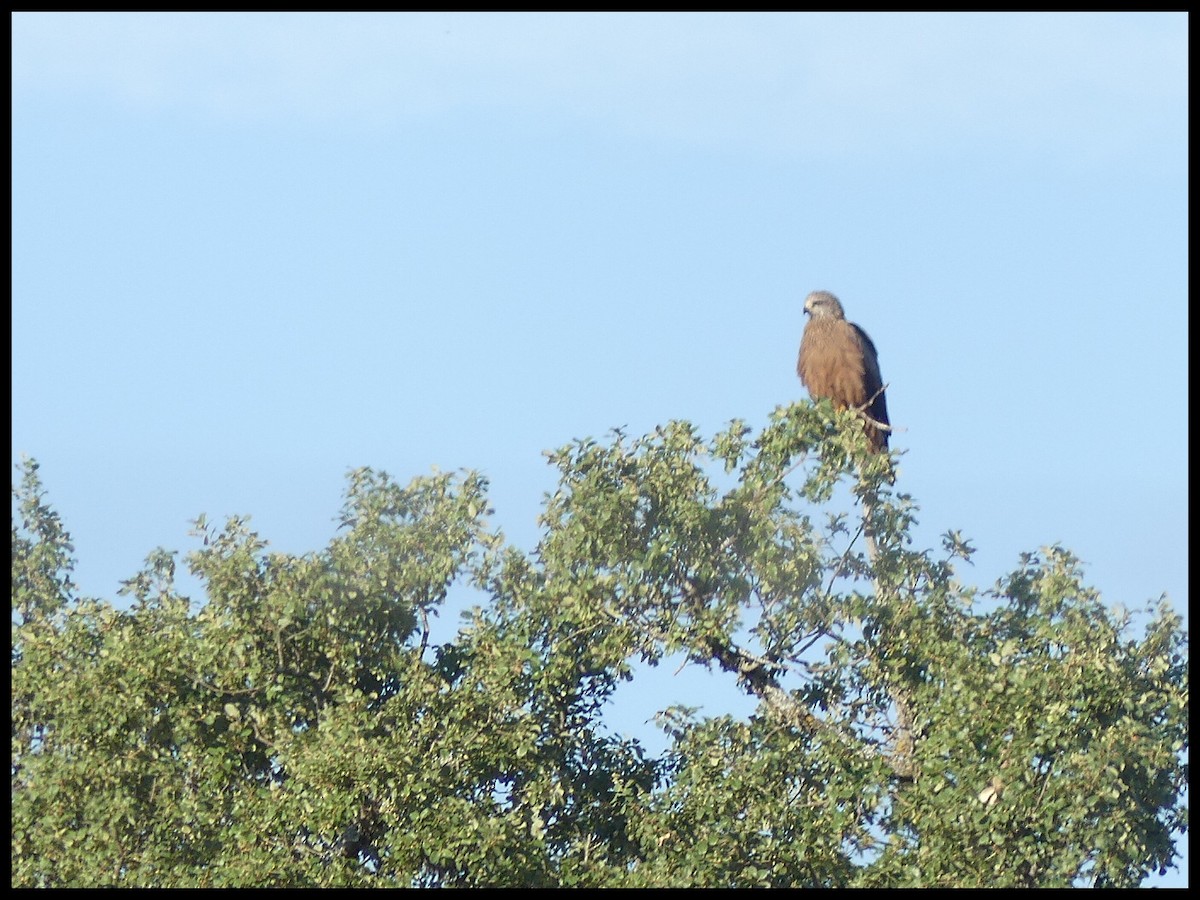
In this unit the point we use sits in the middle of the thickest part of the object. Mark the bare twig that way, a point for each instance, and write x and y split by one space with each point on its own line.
867 405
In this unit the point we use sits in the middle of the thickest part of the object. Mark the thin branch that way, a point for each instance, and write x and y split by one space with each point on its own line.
226 692
868 507
817 635
837 572
424 632
259 735
867 405
784 474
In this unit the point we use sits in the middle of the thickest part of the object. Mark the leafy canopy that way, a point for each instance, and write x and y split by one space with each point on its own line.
297 727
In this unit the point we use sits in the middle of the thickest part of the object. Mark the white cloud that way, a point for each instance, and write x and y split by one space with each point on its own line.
773 83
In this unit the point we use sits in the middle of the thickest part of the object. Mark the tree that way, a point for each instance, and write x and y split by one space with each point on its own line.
297 728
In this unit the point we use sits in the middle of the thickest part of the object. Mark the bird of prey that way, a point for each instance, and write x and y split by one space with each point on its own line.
838 361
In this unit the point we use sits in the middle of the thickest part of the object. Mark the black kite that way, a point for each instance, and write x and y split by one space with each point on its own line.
838 361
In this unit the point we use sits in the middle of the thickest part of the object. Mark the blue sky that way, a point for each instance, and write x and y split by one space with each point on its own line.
251 252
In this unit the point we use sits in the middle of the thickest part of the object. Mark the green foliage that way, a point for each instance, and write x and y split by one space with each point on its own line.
296 727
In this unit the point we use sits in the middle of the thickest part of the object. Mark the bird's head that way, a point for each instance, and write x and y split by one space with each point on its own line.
822 304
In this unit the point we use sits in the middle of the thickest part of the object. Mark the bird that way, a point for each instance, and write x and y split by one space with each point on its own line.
839 362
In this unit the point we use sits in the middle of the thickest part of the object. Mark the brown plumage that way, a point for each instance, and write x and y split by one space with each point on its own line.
838 361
